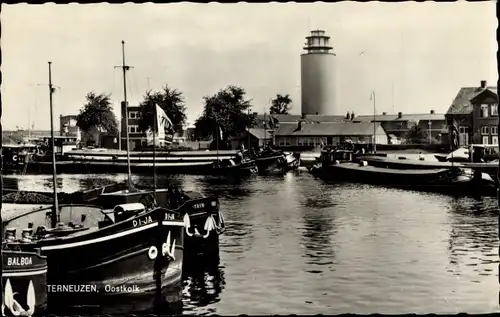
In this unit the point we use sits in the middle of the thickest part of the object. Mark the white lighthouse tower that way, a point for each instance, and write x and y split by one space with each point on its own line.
318 75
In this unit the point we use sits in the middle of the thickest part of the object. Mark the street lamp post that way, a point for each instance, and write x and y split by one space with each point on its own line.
372 97
430 132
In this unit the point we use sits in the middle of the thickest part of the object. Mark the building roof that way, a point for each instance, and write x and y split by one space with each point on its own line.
284 118
289 118
261 134
404 117
328 128
461 104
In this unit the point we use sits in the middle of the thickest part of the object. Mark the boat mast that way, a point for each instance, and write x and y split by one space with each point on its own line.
217 137
155 122
55 208
125 68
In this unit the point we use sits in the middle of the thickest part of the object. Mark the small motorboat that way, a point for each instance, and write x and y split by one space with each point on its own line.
240 166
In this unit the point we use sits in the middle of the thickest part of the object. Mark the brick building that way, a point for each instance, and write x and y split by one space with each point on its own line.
473 116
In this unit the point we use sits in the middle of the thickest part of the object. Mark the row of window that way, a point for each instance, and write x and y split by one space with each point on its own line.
486 139
489 110
315 141
134 129
133 115
302 141
487 130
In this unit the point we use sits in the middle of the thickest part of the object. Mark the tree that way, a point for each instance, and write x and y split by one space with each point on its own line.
227 109
416 135
281 104
170 100
97 114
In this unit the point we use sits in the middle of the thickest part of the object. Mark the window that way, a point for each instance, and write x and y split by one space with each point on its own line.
132 114
281 141
288 141
494 130
494 140
133 129
485 130
486 139
463 129
484 110
301 141
494 109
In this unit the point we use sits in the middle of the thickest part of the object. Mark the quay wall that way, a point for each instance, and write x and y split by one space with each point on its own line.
434 148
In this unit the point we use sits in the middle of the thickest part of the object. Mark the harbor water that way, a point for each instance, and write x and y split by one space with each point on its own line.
297 245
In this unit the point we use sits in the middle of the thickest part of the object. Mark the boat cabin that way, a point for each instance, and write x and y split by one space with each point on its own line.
62 144
336 155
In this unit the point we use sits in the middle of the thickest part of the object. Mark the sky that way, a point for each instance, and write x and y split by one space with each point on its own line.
416 55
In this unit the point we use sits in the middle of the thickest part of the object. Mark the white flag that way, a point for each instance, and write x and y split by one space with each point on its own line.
220 133
162 120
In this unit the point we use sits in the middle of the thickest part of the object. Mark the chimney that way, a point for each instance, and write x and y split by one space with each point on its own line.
400 115
384 113
432 112
483 84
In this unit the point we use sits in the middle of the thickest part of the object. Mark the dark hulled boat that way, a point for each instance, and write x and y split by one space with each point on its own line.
125 248
16 157
96 254
241 166
339 165
24 281
269 159
447 181
202 217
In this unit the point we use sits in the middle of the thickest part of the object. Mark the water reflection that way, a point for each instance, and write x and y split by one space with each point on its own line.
120 305
318 214
225 187
10 183
203 282
473 242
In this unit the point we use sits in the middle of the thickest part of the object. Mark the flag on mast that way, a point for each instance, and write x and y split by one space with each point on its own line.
163 126
221 135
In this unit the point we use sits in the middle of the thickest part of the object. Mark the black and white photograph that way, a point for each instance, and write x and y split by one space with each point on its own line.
249 158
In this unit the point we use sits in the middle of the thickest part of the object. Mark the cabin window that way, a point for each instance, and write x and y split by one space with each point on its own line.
494 130
485 130
484 110
494 109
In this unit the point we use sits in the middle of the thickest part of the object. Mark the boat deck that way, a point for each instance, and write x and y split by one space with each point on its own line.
368 168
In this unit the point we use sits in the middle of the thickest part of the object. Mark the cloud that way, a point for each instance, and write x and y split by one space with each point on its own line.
423 51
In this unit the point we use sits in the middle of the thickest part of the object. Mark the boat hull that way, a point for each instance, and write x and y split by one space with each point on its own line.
199 209
19 270
436 181
125 259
